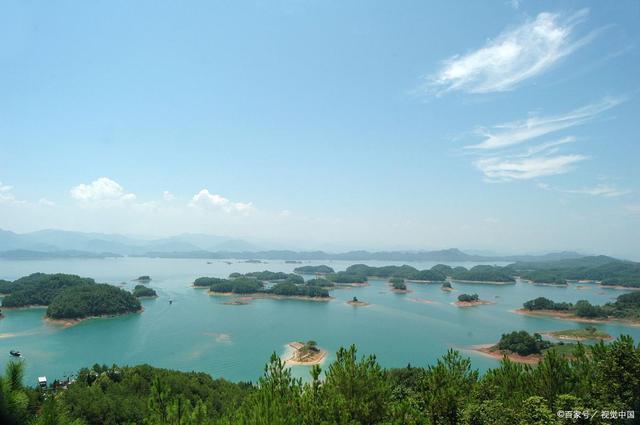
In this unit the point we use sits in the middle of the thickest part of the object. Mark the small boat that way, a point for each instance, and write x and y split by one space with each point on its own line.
15 353
170 301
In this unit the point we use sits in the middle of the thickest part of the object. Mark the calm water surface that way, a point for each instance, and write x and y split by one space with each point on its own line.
199 332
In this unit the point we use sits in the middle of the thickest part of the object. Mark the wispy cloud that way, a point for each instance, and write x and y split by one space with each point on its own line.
506 168
517 132
206 199
602 190
7 196
101 189
515 55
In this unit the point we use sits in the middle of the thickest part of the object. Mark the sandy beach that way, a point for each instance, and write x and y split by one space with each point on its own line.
72 322
358 303
489 351
310 360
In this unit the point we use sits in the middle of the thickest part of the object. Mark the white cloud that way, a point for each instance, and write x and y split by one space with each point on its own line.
506 169
7 196
548 147
168 196
634 209
515 55
206 199
604 190
517 132
102 189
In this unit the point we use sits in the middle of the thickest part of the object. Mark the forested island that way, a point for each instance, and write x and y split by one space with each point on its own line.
606 270
255 284
353 387
470 300
398 285
625 308
68 296
141 291
92 300
322 269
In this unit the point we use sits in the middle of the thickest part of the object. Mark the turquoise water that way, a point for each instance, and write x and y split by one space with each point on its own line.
199 332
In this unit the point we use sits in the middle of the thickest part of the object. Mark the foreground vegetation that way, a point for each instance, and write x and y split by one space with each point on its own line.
352 390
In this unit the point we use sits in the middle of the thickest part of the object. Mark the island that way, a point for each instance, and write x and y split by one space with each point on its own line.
522 347
483 274
293 262
293 286
347 279
206 282
85 301
608 271
305 353
322 269
143 279
626 308
141 291
38 289
467 300
398 285
357 303
446 286
581 334
404 272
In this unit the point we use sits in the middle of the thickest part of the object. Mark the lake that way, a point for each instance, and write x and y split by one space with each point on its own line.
198 332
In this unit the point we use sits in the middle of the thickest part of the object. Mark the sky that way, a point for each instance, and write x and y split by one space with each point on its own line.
509 126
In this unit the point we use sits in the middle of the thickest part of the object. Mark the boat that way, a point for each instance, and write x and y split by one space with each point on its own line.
15 353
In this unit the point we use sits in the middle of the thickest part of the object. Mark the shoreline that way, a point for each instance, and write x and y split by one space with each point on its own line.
67 323
571 317
574 338
465 304
358 303
312 360
487 282
251 297
488 351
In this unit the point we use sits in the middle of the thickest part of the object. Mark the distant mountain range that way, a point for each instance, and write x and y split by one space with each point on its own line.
66 244
55 241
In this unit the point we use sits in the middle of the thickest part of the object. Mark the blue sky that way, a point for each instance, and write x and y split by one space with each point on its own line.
507 126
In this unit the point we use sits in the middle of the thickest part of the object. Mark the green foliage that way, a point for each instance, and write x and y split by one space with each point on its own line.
323 283
609 271
345 277
239 285
143 291
542 303
207 281
523 343
353 391
466 298
92 300
39 288
398 283
584 308
290 289
322 269
483 274
543 276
